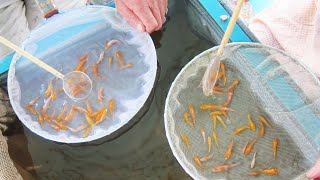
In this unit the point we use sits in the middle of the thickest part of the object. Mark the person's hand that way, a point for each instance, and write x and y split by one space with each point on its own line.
314 172
145 15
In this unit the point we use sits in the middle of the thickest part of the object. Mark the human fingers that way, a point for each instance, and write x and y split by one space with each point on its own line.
155 9
142 10
131 17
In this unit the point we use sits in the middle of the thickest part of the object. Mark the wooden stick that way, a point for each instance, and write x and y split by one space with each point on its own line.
230 27
31 58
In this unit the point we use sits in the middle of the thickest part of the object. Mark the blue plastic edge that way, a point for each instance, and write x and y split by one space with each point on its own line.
215 10
5 63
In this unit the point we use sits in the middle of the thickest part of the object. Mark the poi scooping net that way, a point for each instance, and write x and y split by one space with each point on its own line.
60 42
273 85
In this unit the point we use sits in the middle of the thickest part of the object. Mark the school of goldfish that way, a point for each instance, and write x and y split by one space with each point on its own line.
218 112
92 117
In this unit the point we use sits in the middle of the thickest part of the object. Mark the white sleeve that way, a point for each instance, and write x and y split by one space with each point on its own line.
13 24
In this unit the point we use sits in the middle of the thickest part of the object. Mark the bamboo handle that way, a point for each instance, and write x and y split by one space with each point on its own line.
230 27
31 58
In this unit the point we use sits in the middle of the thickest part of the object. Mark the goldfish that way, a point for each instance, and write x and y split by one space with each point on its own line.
83 57
84 70
30 105
31 109
229 150
207 157
274 147
103 116
192 112
80 128
217 92
62 113
119 57
252 173
69 116
262 130
33 101
253 162
53 94
198 162
223 70
249 147
97 112
239 130
220 75
57 128
80 65
224 167
215 107
88 107
221 121
44 114
230 95
100 95
110 61
218 88
127 66
52 115
203 133
111 107
87 132
96 71
209 144
252 126
214 120
234 84
79 109
265 121
60 125
185 140
186 119
216 113
110 43
225 114
271 172
47 93
214 135
40 118
101 58
89 120
245 147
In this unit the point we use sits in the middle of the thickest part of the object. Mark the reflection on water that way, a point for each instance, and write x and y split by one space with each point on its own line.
141 153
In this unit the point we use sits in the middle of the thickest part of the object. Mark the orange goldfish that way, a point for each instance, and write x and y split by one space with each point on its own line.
229 150
271 172
239 130
249 147
87 132
274 147
224 167
47 93
234 84
186 119
198 162
192 112
215 138
185 140
265 121
252 126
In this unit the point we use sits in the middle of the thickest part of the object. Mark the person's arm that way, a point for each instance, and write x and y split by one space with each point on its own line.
145 15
